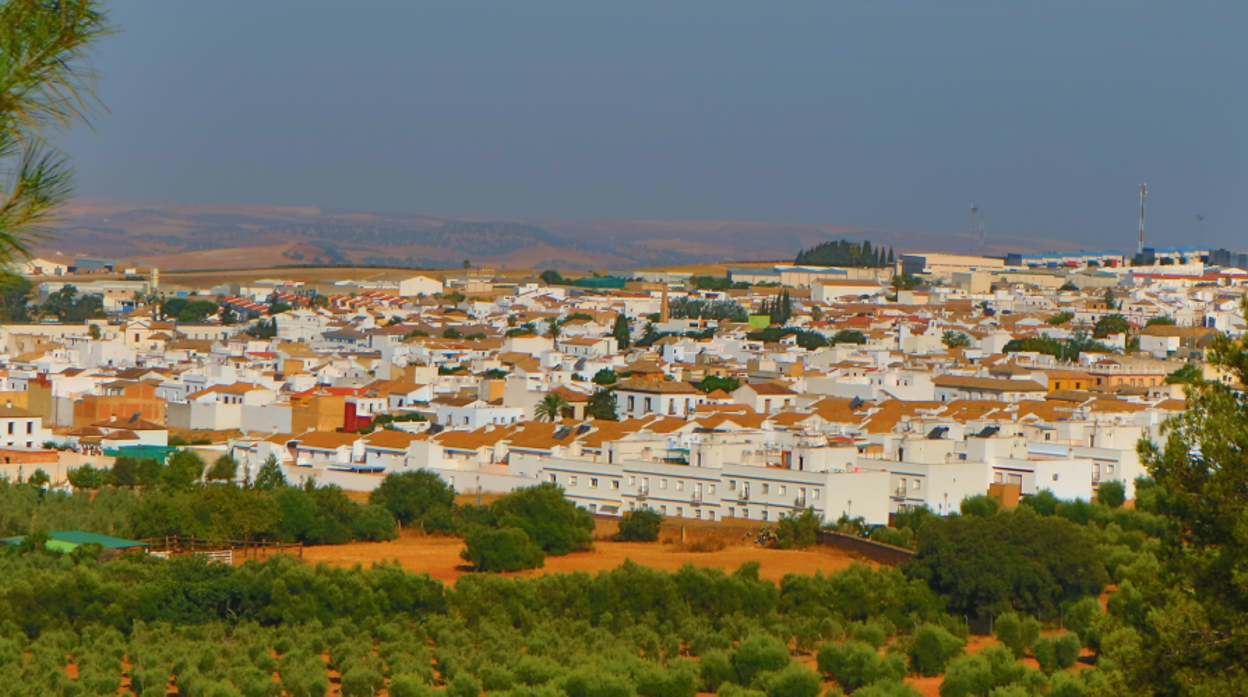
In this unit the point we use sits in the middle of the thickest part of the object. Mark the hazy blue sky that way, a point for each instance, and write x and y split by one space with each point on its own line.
877 114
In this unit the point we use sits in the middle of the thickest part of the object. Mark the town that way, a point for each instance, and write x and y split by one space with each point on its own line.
749 394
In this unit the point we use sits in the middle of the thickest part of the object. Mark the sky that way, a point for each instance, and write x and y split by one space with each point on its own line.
874 114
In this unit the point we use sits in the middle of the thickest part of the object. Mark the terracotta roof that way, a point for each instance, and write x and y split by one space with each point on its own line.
657 387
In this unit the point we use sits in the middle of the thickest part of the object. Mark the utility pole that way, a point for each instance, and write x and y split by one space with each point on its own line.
1143 194
1200 231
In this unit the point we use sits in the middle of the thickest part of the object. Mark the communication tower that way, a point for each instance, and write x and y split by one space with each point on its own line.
1139 249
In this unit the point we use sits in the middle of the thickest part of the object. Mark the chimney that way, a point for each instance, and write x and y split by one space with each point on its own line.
664 313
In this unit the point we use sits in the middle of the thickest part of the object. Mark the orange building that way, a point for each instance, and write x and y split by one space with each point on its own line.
121 399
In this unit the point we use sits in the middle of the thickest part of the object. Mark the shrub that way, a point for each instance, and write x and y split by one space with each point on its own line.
756 654
798 530
981 505
868 633
979 675
715 669
1112 494
641 525
409 686
374 523
1016 633
888 688
362 682
653 681
501 549
932 649
463 685
855 664
793 681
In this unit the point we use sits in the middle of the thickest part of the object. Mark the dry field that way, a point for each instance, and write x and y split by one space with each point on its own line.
439 557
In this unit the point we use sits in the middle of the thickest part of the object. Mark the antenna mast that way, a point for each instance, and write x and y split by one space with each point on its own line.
1143 195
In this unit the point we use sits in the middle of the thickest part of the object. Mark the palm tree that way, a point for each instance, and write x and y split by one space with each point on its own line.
550 408
48 85
554 329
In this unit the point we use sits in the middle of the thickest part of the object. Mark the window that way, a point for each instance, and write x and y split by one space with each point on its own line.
732 485
649 405
680 512
10 428
712 488
996 478
1055 477
766 488
698 514
917 483
632 480
615 484
732 512
662 483
632 403
680 485
764 515
550 478
572 481
710 515
593 483
1111 469
663 510
814 494
782 489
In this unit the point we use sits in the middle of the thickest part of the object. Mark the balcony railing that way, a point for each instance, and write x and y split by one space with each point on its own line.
643 492
799 502
696 499
901 491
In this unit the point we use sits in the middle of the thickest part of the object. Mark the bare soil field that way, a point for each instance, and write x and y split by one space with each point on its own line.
439 557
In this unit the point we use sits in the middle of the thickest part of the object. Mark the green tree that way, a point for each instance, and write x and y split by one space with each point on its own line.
1112 493
1195 640
224 469
552 277
605 376
952 339
1111 300
15 293
622 331
1060 318
125 471
184 469
855 664
1160 322
980 505
420 498
906 281
270 475
641 525
88 477
602 406
711 383
550 408
46 84
1011 560
554 523
1110 324
38 479
1188 374
501 549
932 649
1017 633
758 653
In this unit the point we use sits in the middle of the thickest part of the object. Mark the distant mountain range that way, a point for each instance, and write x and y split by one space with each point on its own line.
177 236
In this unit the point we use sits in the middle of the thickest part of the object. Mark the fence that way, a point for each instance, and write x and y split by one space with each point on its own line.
228 551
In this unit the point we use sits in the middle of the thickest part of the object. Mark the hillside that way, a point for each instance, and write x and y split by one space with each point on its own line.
193 237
